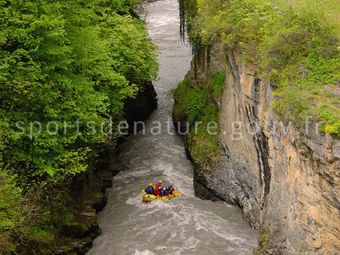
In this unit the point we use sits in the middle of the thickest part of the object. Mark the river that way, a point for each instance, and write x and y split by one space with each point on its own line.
185 225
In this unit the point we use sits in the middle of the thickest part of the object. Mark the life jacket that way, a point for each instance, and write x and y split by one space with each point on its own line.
149 190
156 191
159 187
163 192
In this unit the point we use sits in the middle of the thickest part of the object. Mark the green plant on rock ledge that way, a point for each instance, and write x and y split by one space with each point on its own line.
294 45
217 83
196 105
263 242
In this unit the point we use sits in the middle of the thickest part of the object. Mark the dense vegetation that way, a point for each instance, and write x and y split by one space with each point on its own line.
330 8
196 103
294 45
72 62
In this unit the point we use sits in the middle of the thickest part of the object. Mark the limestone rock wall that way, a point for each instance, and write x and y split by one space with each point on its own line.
284 178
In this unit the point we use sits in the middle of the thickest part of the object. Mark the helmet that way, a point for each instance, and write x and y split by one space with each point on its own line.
150 184
164 188
160 181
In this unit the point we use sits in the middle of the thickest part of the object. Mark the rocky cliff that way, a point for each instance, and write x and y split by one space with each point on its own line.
286 179
140 107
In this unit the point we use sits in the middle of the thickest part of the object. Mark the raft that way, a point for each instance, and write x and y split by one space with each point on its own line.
148 198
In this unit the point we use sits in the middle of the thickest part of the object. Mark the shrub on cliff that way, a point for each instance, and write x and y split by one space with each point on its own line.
295 47
196 106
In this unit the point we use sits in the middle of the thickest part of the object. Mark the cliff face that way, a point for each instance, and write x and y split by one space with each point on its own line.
140 107
285 179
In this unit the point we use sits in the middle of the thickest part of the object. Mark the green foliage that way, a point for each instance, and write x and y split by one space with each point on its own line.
181 89
10 203
127 38
294 45
204 146
330 7
64 61
190 100
217 83
41 234
263 242
331 124
196 105
287 62
69 64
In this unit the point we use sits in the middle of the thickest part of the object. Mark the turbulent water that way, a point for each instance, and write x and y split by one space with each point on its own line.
186 225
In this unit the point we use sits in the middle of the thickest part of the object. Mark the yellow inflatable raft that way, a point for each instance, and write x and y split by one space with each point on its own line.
147 198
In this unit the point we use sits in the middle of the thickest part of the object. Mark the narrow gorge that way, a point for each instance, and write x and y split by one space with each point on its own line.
187 225
176 127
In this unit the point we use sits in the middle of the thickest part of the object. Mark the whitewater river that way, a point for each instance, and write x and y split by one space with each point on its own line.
186 225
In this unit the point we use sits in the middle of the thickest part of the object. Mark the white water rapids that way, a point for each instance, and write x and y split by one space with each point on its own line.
185 225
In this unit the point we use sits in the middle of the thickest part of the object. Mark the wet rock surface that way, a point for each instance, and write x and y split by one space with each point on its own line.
140 107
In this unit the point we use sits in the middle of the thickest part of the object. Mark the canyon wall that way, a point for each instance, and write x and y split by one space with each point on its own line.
140 107
284 178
